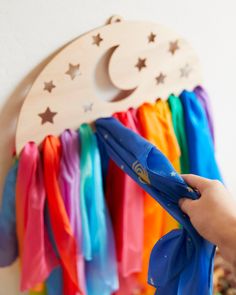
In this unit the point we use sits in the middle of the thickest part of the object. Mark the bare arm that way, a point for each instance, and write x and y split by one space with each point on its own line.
213 215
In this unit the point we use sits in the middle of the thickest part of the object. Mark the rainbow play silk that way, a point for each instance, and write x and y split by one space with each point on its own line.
200 144
181 261
62 232
69 176
101 268
8 237
177 115
37 258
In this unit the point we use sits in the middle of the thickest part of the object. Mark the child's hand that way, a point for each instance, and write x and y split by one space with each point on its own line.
213 214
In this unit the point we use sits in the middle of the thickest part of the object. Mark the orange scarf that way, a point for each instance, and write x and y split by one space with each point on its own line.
157 128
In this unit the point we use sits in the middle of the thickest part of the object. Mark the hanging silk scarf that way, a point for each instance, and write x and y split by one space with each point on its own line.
69 176
125 202
169 139
8 237
200 145
37 258
62 232
177 115
181 262
156 124
101 269
204 99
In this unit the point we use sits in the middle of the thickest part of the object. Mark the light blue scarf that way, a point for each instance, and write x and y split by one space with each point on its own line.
99 249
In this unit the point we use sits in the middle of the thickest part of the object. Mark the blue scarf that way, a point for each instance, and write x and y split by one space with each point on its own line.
8 238
181 261
200 144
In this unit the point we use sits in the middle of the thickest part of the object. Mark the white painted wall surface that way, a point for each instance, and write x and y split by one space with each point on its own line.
32 30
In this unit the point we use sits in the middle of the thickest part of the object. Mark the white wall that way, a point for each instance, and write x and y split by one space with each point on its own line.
32 30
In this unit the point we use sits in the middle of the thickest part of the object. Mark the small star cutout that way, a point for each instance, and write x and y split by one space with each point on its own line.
47 116
173 46
141 64
122 167
173 173
106 136
151 38
160 79
97 40
48 86
185 71
73 71
88 108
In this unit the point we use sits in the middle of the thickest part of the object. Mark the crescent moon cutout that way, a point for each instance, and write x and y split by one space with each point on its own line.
103 86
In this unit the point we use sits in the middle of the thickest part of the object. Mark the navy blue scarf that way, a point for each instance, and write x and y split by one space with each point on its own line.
181 261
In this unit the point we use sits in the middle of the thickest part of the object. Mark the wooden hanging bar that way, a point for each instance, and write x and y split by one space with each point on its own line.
141 61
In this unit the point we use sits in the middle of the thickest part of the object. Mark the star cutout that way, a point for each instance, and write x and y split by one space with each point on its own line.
73 71
160 79
97 40
141 64
48 86
173 173
47 116
185 71
173 46
88 108
151 38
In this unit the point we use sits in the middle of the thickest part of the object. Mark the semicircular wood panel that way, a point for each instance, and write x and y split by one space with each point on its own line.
146 61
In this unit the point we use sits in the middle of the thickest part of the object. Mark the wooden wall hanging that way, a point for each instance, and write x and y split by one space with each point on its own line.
143 61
